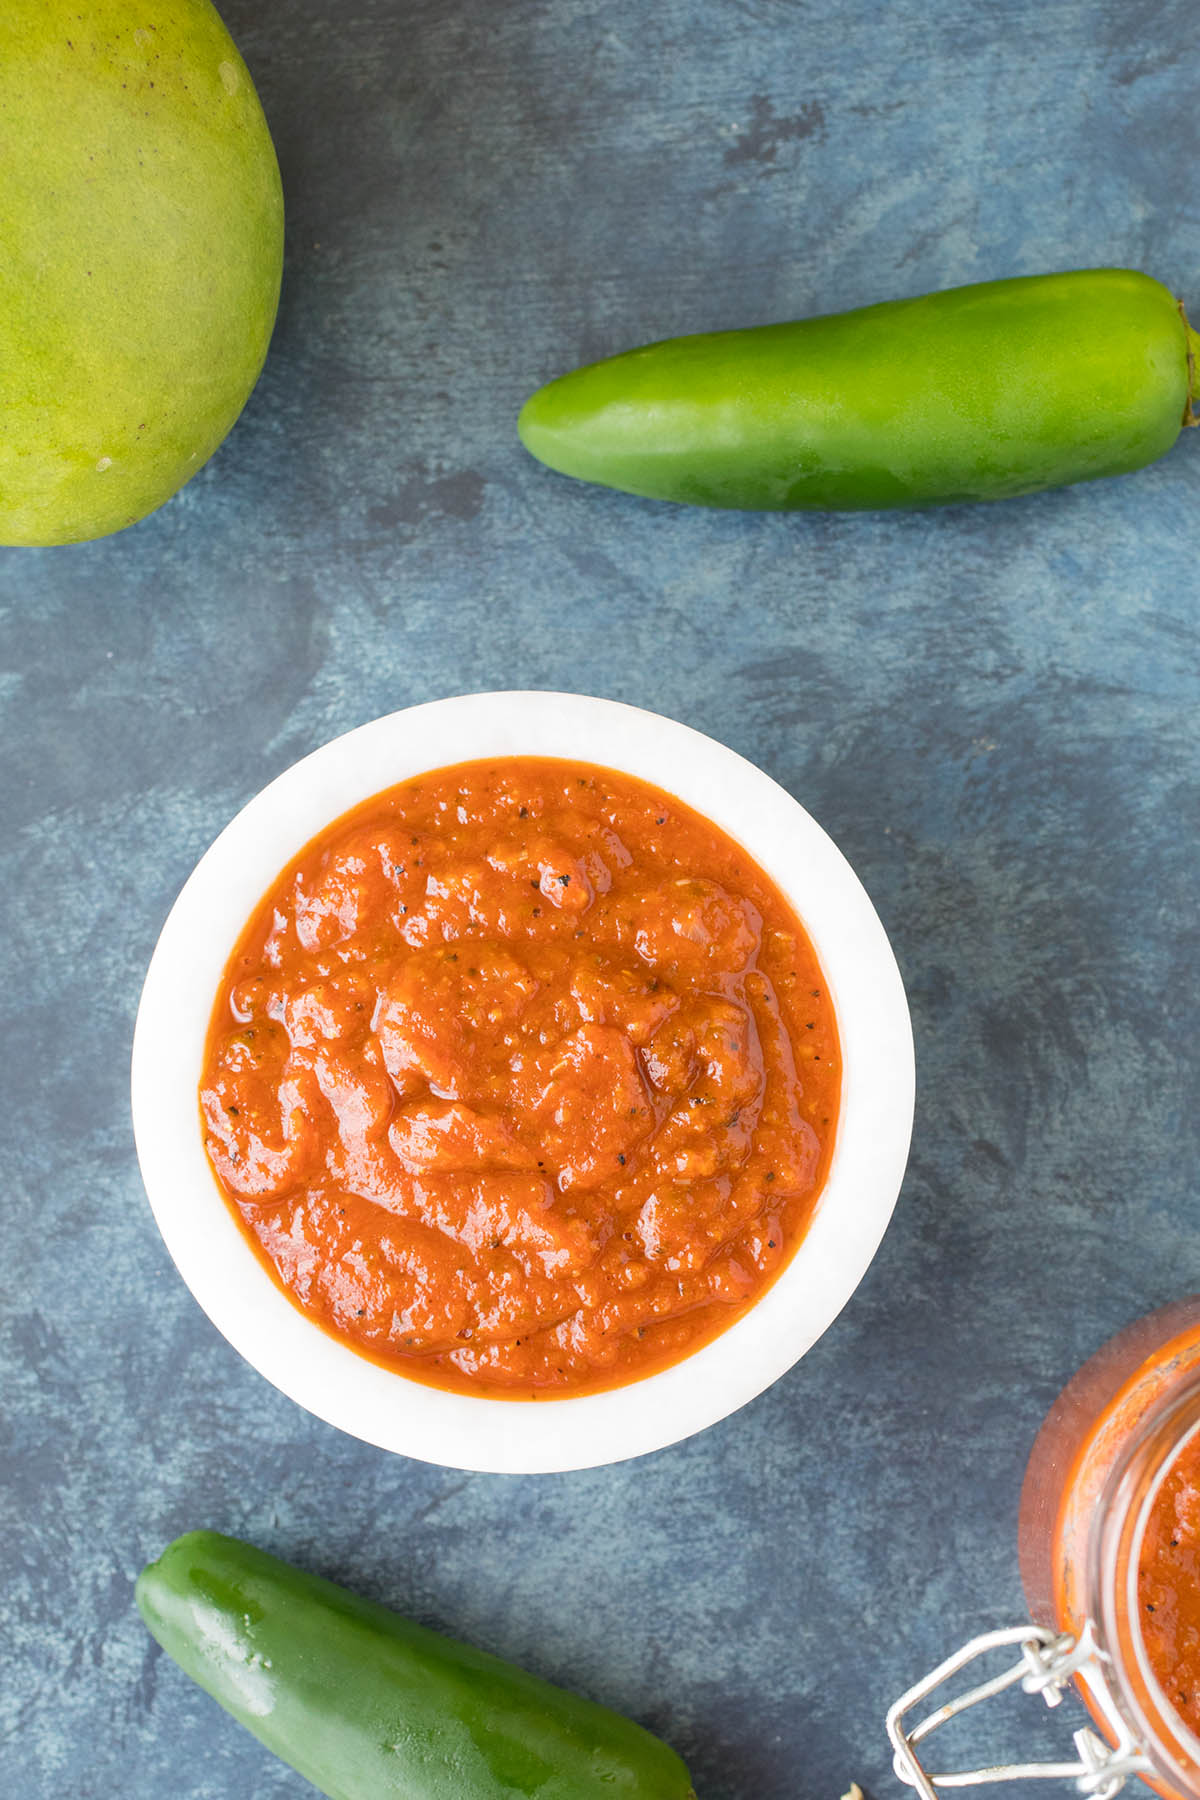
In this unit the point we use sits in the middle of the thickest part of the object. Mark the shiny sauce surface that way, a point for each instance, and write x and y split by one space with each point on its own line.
523 1079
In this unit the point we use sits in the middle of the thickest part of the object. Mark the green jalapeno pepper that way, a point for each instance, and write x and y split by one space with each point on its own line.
977 393
370 1706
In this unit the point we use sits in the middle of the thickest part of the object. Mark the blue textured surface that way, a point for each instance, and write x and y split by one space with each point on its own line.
994 712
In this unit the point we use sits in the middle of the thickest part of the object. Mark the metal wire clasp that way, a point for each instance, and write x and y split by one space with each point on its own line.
1048 1662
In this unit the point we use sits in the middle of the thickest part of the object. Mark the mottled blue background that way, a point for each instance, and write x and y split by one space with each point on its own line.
994 712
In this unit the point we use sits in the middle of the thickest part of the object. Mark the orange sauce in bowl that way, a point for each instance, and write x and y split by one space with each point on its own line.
523 1079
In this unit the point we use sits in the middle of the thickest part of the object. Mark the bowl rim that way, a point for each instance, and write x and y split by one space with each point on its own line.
375 1403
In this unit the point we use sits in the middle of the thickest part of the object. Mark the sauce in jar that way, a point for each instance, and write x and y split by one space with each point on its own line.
523 1079
1169 1585
1110 1533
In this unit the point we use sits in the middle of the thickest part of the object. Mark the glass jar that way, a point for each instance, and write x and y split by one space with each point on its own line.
1099 1461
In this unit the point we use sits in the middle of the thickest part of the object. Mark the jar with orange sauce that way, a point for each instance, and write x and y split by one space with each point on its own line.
1109 1546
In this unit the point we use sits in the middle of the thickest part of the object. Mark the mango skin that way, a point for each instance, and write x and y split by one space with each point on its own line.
976 393
141 250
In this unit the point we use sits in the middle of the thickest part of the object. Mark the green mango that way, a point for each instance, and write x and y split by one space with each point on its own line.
141 248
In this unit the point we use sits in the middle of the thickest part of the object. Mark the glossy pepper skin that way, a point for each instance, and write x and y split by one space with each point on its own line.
370 1706
977 393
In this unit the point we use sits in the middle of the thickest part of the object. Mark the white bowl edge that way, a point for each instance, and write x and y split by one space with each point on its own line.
372 1402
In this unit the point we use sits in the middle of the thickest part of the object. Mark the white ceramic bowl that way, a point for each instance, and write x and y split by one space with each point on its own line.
372 1402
